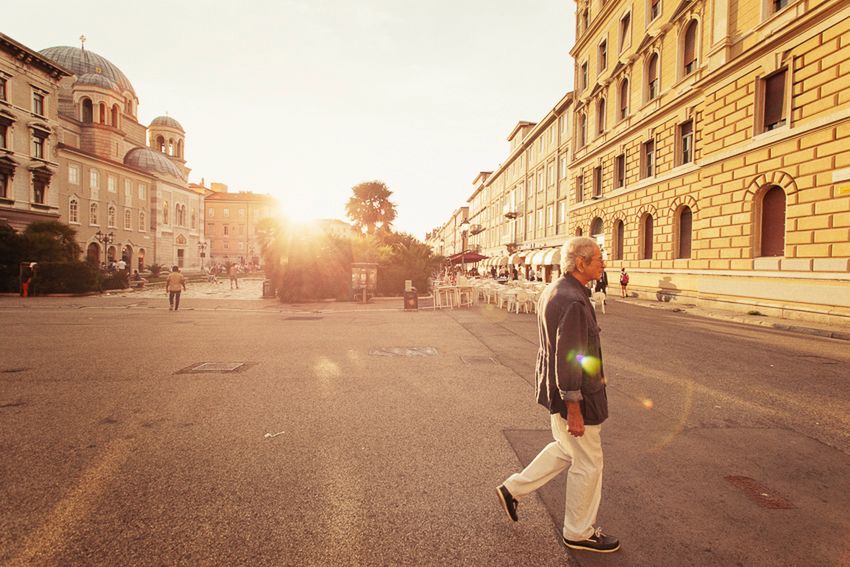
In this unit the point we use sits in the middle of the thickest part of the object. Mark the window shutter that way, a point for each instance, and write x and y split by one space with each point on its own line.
774 97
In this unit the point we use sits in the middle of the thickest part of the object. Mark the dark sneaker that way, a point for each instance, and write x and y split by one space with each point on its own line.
508 502
597 541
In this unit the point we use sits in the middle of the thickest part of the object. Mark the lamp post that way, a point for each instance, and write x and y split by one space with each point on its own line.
105 239
202 252
464 231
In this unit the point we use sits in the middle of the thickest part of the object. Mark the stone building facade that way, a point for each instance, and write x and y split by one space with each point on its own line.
29 135
232 220
706 148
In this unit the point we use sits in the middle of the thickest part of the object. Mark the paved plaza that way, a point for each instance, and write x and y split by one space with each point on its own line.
364 435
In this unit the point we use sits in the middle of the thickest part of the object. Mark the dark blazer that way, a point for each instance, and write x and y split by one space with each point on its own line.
569 362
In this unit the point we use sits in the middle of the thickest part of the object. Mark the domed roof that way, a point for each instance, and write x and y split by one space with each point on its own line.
168 122
97 80
83 61
149 160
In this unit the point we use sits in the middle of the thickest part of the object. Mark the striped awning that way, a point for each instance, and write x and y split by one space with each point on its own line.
536 259
552 257
517 258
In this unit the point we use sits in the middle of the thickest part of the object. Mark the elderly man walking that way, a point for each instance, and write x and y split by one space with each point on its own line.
571 385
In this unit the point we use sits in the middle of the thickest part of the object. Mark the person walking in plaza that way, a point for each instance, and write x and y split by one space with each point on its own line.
571 386
624 282
234 276
175 283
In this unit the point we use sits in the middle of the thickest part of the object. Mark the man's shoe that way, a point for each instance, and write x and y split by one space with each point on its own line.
597 542
508 502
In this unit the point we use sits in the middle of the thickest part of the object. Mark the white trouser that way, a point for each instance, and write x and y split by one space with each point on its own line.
583 457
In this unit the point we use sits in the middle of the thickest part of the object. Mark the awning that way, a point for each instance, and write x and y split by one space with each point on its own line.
536 258
500 261
552 257
517 258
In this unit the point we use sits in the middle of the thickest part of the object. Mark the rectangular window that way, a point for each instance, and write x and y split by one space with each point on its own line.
74 174
773 88
579 188
654 9
142 191
94 179
603 56
2 88
563 166
540 226
128 193
110 184
540 181
619 171
625 29
211 213
779 4
4 130
127 220
584 75
226 213
38 147
550 215
531 185
530 222
241 213
550 173
73 211
226 229
648 159
4 185
686 142
38 103
597 182
562 212
38 192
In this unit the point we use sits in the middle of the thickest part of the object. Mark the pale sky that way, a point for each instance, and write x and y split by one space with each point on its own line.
304 99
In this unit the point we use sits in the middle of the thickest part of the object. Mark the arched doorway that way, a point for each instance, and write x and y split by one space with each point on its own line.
597 233
110 254
127 255
93 254
141 258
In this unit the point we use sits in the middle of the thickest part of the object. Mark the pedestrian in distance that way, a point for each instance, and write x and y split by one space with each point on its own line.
175 283
624 282
571 386
234 276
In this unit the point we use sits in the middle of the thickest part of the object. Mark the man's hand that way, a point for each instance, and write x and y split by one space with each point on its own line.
575 421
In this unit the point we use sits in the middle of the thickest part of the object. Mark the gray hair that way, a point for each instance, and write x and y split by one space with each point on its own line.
577 247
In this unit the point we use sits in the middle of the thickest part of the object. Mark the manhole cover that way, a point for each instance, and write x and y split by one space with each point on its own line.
404 351
302 318
759 493
216 367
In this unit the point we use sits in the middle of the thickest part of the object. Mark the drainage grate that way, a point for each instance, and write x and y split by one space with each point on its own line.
469 360
759 493
299 318
216 367
411 352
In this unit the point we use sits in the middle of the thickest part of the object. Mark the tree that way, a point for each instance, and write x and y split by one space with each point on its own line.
370 207
51 241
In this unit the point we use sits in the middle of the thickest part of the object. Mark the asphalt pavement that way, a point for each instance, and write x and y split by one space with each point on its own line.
364 435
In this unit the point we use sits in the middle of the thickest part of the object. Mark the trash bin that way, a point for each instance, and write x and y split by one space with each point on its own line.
411 300
268 291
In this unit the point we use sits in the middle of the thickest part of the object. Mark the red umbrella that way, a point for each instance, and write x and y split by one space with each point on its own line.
468 256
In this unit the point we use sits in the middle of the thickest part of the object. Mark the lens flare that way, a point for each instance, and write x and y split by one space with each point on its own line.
590 364
648 404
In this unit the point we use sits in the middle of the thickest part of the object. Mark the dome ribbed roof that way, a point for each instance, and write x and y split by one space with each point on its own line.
149 160
168 122
83 61
97 80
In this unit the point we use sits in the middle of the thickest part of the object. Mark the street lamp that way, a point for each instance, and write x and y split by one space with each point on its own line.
202 252
105 239
464 231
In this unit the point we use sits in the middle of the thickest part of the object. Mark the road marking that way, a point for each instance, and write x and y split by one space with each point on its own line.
41 546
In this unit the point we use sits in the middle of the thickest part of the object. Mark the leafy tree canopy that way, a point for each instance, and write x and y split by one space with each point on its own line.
370 207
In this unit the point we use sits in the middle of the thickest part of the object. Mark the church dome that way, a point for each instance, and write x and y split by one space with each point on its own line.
97 80
167 122
149 160
83 62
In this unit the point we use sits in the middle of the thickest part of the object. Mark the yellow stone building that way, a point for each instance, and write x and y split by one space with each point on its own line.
706 145
231 224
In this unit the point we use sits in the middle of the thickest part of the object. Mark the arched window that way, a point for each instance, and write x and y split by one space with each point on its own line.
93 214
142 225
170 147
689 49
88 111
180 149
160 143
618 239
624 99
652 77
582 129
596 227
579 232
74 210
772 227
194 219
128 220
102 107
600 114
646 237
165 213
115 113
684 230
110 216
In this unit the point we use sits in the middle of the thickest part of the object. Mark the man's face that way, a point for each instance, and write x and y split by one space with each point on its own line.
594 268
